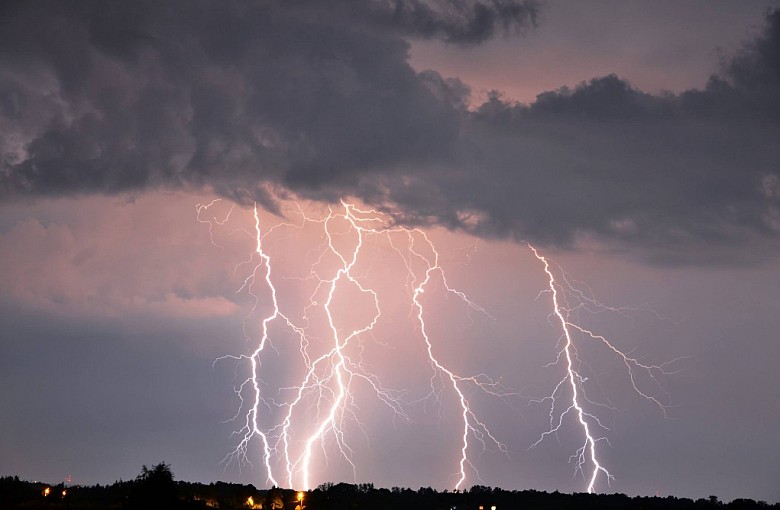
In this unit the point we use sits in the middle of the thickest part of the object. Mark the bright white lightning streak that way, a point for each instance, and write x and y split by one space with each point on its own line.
329 377
333 387
251 427
340 367
471 424
572 376
587 452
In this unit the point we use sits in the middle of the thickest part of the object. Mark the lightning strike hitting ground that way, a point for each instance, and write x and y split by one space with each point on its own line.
586 455
299 427
326 388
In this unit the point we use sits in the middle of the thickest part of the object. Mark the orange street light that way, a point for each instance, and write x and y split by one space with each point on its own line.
46 491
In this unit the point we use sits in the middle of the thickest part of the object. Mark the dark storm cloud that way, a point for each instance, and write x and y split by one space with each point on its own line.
696 168
460 22
683 177
110 96
253 99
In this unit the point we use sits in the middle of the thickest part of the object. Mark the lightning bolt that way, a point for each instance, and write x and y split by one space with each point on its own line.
326 388
472 425
203 208
301 426
586 456
251 426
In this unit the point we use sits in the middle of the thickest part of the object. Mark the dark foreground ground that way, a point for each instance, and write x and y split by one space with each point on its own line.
155 488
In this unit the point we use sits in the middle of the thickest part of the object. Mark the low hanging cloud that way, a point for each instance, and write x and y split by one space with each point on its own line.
259 100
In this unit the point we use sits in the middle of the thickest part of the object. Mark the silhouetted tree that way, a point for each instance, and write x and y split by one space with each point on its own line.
154 488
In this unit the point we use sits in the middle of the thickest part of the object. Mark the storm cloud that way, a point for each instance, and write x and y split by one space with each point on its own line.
256 101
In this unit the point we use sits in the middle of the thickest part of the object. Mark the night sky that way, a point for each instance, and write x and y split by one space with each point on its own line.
635 144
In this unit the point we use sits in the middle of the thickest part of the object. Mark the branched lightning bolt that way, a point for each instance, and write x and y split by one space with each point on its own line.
300 426
586 456
471 423
251 426
325 389
203 208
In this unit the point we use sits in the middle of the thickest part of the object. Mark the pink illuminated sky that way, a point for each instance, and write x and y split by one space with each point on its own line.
633 143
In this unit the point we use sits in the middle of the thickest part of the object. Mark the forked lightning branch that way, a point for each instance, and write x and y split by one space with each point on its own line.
295 429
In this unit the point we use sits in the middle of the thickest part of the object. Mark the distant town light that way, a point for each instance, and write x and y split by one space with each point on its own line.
46 491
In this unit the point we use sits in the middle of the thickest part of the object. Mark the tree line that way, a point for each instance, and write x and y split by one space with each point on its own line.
155 489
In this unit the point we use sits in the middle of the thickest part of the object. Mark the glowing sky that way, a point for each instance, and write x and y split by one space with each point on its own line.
635 146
